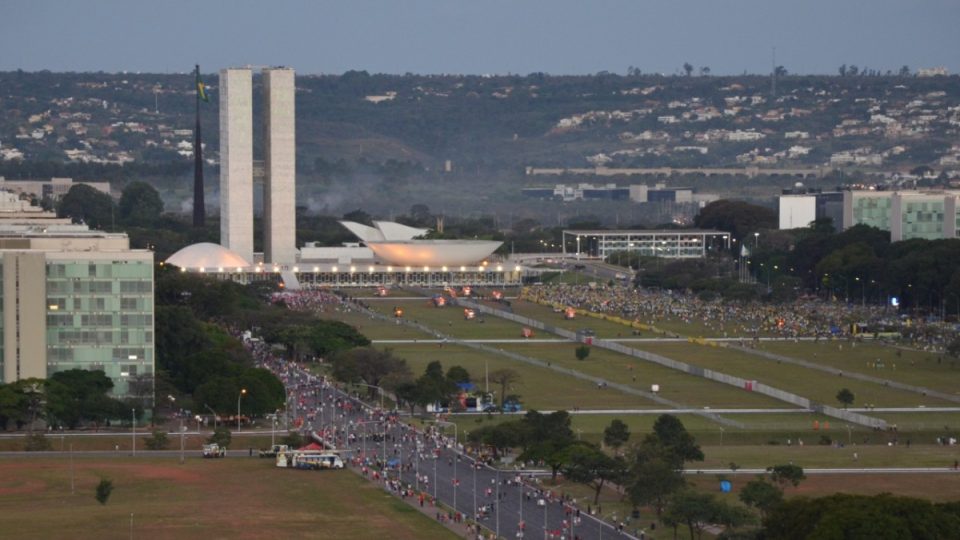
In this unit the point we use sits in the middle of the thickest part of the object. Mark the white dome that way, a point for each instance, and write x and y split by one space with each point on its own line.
206 255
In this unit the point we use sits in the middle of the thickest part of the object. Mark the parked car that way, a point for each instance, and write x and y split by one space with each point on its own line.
214 451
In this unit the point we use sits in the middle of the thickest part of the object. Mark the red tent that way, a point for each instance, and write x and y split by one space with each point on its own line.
311 446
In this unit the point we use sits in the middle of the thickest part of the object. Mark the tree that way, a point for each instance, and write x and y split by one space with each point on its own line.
12 405
587 464
761 495
845 396
668 432
505 378
84 204
904 71
780 71
292 439
458 374
738 217
691 508
786 474
157 440
653 477
103 491
546 438
687 68
75 396
221 436
582 352
882 517
704 71
842 70
140 204
616 434
367 365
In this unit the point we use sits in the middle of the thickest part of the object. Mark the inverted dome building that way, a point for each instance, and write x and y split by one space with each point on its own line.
396 244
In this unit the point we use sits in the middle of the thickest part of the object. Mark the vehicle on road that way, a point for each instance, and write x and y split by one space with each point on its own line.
214 451
273 451
309 460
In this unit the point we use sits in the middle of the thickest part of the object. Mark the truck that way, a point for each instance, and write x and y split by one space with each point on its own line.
214 451
273 451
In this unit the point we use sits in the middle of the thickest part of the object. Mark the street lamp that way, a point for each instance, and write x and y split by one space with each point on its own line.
242 392
756 240
456 458
374 386
214 417
133 431
180 417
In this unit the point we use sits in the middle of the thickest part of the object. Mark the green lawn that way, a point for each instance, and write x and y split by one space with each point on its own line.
229 498
682 388
810 383
450 320
375 328
539 388
931 370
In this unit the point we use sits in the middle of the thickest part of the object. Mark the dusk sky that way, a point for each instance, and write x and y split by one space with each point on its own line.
479 36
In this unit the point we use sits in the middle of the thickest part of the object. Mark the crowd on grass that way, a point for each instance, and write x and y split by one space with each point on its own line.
804 317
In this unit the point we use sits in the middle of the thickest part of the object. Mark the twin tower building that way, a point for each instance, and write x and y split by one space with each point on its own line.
237 165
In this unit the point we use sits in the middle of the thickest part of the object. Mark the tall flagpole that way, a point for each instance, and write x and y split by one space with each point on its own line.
199 210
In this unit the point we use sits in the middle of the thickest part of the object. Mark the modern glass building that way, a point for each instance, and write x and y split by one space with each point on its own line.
906 214
71 298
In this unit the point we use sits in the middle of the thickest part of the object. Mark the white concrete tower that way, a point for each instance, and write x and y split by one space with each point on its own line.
279 192
236 161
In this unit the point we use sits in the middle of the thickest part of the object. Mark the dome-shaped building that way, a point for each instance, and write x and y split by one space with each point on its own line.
207 256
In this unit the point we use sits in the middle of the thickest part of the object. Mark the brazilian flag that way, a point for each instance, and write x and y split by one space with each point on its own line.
201 89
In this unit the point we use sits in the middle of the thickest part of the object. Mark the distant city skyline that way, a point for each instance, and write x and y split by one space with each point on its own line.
493 37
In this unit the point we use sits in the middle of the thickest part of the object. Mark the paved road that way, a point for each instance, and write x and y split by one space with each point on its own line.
431 461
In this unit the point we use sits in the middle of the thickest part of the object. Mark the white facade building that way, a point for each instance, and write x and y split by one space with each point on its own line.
236 161
279 191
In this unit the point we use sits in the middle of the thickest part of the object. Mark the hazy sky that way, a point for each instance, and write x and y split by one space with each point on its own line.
478 36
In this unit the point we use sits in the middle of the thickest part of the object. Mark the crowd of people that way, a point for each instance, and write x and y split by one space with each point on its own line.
806 317
307 300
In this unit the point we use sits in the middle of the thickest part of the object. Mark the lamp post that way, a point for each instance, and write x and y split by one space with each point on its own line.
273 429
214 416
498 503
756 240
242 392
456 458
133 431
374 386
181 440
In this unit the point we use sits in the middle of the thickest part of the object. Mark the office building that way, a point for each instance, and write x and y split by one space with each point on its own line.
279 164
906 214
236 161
72 298
279 192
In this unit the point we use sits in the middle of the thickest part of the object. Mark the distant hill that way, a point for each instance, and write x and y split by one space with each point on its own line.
395 134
